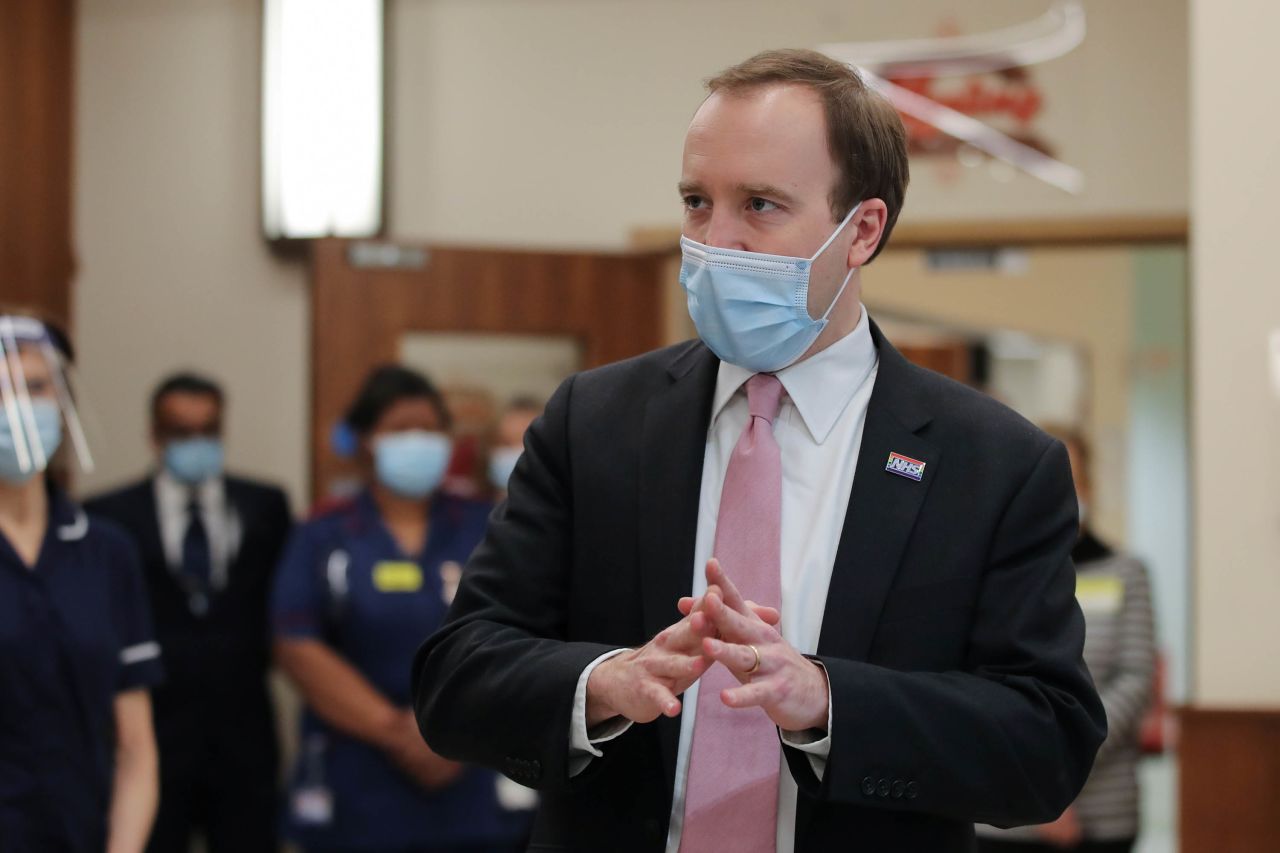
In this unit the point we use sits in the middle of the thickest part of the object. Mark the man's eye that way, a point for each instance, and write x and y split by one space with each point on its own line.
694 202
762 205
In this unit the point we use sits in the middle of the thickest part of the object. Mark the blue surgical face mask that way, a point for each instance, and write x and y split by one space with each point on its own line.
194 460
501 464
750 308
412 463
48 428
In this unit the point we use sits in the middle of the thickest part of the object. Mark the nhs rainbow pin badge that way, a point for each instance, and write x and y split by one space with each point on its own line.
905 466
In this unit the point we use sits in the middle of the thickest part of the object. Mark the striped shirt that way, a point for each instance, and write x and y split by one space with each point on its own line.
1120 650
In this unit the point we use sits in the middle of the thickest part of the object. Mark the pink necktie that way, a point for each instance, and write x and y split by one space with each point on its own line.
731 799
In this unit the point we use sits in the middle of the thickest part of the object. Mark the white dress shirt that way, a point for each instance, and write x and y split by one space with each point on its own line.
220 522
819 432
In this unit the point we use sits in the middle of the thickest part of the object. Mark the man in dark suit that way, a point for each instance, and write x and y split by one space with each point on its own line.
209 543
777 589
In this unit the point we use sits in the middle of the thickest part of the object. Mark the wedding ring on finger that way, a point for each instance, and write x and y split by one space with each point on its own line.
755 666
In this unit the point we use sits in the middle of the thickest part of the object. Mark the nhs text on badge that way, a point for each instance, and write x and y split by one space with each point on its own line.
905 466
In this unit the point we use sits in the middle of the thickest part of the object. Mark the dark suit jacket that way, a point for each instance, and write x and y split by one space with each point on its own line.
951 636
214 704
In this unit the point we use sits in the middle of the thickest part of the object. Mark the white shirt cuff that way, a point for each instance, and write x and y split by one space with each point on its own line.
583 744
815 742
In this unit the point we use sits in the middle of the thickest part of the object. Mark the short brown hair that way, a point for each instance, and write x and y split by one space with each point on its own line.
864 133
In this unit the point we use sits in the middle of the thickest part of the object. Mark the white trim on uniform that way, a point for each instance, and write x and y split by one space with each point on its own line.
76 530
139 653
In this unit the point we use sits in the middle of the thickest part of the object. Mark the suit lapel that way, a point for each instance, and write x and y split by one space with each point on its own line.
235 499
882 508
150 542
882 513
673 444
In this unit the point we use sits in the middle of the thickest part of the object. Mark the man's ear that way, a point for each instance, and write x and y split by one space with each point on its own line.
869 221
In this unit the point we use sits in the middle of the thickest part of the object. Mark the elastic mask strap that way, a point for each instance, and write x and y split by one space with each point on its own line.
836 232
839 293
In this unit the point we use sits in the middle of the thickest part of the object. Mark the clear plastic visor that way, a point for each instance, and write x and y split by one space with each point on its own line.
35 379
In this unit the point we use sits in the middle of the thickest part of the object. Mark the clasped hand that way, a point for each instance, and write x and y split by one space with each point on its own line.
719 627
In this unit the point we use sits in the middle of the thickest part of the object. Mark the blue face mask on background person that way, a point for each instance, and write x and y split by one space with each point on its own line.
502 463
194 460
412 463
750 308
48 428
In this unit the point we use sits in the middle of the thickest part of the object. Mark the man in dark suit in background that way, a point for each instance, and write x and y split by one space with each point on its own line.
209 543
886 647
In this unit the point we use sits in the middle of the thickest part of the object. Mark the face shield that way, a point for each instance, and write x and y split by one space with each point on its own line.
37 403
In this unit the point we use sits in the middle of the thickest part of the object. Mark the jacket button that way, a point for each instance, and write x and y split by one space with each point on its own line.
899 788
883 788
912 790
869 787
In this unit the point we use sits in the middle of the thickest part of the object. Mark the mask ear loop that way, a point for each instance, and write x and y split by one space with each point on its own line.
18 378
835 233
839 293
11 413
848 275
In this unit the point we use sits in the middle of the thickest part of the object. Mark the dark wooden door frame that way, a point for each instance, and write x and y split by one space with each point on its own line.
36 73
613 304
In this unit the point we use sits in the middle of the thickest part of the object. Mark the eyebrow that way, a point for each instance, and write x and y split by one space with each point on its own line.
689 188
766 190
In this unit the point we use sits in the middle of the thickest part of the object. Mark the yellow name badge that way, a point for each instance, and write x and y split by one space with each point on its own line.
396 576
1099 593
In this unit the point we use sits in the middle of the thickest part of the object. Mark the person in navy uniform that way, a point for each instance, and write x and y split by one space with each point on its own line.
209 543
77 654
507 442
358 586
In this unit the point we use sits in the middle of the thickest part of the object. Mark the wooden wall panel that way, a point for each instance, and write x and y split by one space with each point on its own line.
36 261
613 304
1229 781
951 360
1090 231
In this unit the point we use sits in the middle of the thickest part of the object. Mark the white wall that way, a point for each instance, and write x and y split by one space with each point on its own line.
173 271
1235 305
561 121
511 122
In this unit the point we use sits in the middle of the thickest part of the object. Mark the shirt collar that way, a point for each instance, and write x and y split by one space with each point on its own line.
173 493
67 522
366 505
820 387
66 517
367 516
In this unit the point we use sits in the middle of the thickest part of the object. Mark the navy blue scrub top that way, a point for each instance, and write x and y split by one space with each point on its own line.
74 632
345 581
